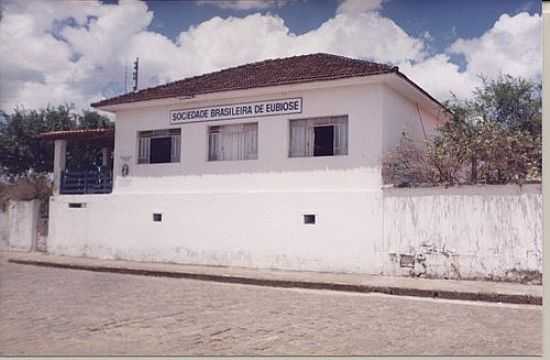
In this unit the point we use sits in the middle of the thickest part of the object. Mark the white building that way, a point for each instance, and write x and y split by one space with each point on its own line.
275 164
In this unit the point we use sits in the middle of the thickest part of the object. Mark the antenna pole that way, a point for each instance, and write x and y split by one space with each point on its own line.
135 74
125 78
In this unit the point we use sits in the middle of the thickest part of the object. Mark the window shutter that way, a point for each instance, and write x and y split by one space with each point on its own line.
297 138
175 148
302 135
250 141
340 138
144 149
310 139
233 142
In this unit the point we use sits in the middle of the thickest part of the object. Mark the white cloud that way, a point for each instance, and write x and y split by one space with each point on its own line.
439 76
513 45
41 68
243 4
82 60
365 35
358 6
219 42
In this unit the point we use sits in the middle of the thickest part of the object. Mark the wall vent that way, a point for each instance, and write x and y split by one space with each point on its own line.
309 219
77 205
157 217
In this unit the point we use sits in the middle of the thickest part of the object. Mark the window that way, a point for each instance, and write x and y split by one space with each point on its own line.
325 136
159 146
233 142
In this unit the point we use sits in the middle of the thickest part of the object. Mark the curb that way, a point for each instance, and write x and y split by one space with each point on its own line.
390 290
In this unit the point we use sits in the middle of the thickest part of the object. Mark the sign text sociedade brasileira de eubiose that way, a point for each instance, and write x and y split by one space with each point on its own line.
236 111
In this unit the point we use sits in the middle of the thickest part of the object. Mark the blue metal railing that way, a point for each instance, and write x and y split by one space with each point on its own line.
98 181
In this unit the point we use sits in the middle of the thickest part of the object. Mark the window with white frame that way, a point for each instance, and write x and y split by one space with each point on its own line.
159 146
233 142
326 136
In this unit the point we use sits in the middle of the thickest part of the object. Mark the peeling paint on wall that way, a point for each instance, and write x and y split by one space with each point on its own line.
467 232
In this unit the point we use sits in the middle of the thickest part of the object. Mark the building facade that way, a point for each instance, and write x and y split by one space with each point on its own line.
274 164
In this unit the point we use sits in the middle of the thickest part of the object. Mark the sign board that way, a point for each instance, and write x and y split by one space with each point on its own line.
237 111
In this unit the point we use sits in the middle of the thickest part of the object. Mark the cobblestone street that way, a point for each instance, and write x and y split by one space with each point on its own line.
45 311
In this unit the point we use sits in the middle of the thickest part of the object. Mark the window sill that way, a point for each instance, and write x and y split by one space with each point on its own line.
231 161
166 163
318 157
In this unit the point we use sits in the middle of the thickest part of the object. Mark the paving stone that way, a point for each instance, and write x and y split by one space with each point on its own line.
50 311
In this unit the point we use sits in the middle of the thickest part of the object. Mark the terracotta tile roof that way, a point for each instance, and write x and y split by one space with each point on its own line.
79 134
291 70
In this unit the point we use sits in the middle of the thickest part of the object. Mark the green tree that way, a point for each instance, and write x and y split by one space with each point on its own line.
514 103
22 153
492 138
82 155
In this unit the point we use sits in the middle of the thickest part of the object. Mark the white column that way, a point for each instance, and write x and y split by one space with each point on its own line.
59 153
105 156
546 100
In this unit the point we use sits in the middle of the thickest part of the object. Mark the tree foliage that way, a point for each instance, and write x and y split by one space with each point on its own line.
492 138
22 154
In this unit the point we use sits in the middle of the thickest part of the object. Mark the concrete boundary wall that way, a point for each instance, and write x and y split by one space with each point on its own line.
18 225
466 232
262 229
490 232
4 229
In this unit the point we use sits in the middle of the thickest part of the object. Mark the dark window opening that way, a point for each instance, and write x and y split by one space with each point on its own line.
324 141
77 205
157 217
161 150
309 219
159 146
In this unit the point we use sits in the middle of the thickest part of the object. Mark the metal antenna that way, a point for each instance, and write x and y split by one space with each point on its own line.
135 74
125 78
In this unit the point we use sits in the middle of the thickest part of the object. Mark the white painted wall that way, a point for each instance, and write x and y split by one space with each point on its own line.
248 213
256 229
463 232
244 213
273 170
18 225
4 230
484 230
402 115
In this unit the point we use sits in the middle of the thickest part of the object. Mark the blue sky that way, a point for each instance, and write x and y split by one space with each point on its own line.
444 20
76 51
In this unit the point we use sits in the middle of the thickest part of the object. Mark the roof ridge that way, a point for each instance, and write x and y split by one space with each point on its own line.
229 68
255 64
283 70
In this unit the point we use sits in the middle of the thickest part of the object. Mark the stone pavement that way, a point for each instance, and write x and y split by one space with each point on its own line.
48 311
502 292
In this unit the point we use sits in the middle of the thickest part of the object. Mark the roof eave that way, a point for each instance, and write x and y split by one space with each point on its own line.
424 92
248 92
78 134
